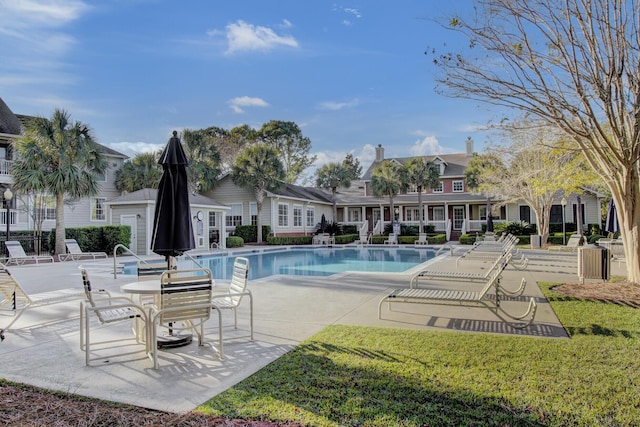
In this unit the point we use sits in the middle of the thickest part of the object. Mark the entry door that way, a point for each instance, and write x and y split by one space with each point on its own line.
131 221
458 217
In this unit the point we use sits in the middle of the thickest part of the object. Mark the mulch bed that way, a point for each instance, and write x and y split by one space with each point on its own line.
29 406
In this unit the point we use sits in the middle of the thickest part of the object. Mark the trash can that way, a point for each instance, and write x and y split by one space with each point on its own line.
593 263
536 241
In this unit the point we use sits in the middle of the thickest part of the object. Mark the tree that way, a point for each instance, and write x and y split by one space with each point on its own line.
258 167
574 64
386 180
422 174
61 158
292 147
143 171
331 176
204 160
353 165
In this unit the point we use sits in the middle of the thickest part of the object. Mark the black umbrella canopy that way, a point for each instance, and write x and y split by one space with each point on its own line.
611 226
172 229
323 223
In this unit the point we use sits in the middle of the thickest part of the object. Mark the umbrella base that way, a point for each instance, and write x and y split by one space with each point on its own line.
172 341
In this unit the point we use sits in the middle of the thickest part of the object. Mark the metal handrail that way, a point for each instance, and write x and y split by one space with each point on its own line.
443 247
188 255
220 247
115 254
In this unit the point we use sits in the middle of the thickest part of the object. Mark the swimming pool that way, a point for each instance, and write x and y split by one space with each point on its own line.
311 262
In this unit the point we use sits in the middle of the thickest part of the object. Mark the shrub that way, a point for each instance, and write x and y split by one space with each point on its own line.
95 238
234 242
349 229
517 228
467 239
249 233
290 240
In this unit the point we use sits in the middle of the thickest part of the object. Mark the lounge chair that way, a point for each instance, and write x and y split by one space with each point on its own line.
490 252
16 301
392 240
461 276
107 310
574 242
231 298
422 240
18 257
74 252
185 297
480 298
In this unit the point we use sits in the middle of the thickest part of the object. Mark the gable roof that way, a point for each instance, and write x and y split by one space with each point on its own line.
303 193
455 164
149 195
9 122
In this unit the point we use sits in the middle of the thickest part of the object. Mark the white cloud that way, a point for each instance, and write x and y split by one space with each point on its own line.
335 106
237 104
428 145
132 148
242 36
40 13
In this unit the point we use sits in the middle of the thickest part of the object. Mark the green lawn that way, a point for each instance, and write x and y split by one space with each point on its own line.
359 376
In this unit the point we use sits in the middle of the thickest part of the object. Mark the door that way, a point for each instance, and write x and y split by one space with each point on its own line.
131 221
458 217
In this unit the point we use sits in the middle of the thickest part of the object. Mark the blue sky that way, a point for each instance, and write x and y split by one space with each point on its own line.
351 75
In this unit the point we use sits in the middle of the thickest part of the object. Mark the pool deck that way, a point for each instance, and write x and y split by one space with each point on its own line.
42 348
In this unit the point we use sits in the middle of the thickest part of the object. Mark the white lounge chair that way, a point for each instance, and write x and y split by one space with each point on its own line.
574 242
17 255
15 301
422 240
74 252
480 298
107 310
185 298
461 276
231 298
392 240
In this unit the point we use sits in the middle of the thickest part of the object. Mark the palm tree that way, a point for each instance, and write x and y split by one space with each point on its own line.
61 158
258 167
143 171
386 180
422 174
331 176
204 167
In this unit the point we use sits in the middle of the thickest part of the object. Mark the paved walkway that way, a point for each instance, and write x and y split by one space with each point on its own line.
43 348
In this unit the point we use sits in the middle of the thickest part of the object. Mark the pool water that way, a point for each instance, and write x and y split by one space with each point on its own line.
311 262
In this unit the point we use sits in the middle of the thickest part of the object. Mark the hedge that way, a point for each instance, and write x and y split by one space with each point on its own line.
234 242
95 238
249 233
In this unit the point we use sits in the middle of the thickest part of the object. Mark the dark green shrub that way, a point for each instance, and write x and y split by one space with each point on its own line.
349 229
517 228
249 233
594 238
467 239
333 228
290 240
437 239
235 242
429 229
346 238
95 238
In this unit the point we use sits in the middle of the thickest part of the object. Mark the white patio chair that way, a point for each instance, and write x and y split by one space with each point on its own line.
231 298
422 240
74 252
109 310
185 298
392 240
17 255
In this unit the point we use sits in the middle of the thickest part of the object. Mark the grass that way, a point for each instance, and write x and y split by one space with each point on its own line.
361 376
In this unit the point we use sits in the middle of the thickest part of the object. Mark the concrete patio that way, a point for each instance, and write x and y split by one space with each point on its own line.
42 348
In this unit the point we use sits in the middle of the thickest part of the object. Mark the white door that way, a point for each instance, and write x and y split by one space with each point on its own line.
131 221
458 217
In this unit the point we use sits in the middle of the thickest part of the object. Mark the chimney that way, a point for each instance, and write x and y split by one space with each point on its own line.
469 143
379 153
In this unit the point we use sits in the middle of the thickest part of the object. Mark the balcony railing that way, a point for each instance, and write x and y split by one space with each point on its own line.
13 216
5 166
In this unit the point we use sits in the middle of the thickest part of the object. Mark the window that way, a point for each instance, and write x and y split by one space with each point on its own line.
297 215
555 214
412 214
525 214
438 213
482 210
98 212
235 216
376 215
354 214
458 186
283 215
575 217
253 213
101 177
438 188
311 216
212 219
47 207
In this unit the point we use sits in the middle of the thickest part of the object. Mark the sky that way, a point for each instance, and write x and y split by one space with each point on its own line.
351 75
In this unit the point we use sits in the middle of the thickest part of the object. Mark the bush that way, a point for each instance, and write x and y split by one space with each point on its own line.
349 229
249 233
517 228
290 240
234 242
95 238
467 239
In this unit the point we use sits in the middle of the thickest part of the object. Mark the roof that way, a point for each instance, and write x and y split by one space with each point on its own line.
455 164
149 195
9 122
306 193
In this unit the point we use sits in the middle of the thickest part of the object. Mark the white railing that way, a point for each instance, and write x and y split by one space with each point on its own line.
5 166
379 228
13 216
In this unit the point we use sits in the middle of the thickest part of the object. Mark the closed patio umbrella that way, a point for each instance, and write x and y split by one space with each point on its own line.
611 225
323 223
172 230
490 223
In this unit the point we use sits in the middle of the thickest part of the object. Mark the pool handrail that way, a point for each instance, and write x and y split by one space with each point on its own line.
115 254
